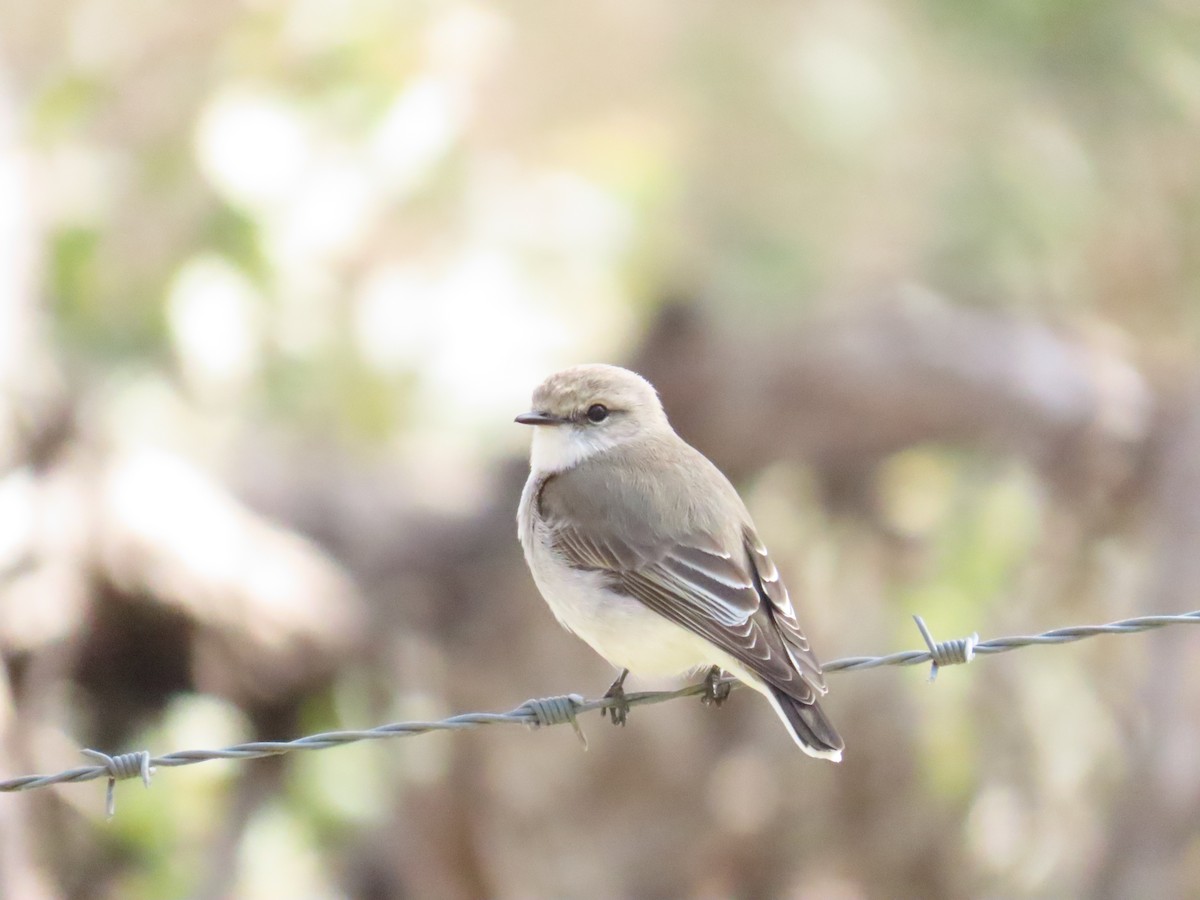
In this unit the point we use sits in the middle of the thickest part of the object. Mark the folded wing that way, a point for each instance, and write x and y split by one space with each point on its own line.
732 596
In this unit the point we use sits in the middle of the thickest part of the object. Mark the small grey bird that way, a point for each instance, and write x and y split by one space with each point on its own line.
644 549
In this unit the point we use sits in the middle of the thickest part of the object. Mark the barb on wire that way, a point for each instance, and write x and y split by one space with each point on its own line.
119 767
946 653
566 708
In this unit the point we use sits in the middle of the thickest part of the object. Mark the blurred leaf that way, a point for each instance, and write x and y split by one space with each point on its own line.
65 103
72 271
236 235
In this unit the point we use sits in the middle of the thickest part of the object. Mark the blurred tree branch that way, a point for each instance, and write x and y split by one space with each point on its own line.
845 392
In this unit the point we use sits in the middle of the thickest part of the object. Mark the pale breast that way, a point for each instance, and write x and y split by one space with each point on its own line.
619 628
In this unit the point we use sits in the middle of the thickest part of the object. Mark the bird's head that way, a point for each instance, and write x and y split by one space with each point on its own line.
585 410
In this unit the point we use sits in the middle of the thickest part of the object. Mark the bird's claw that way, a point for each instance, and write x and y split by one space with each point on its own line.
618 712
716 691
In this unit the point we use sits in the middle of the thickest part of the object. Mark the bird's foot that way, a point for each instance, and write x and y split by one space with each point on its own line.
716 691
619 711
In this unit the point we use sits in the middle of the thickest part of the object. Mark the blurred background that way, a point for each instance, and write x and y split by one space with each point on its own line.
921 277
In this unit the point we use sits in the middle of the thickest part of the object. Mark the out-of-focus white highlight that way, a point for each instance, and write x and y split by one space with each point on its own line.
416 132
18 251
279 857
530 290
529 286
466 39
317 26
17 499
199 720
42 531
849 72
326 215
252 146
549 211
213 312
270 585
472 330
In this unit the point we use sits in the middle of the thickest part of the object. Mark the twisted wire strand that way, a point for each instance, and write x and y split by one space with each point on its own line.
1004 644
565 709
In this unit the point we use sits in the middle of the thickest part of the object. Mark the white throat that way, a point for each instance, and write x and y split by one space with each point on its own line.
559 447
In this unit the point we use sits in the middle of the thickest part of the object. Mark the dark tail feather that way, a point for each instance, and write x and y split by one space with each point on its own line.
808 726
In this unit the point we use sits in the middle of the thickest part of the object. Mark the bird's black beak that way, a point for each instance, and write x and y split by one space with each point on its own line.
538 418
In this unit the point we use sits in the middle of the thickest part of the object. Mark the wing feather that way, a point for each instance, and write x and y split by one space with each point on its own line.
736 600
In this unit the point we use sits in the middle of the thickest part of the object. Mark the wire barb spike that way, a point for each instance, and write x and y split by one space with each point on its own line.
946 653
120 767
556 711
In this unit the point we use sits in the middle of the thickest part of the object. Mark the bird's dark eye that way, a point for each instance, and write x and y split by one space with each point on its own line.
597 412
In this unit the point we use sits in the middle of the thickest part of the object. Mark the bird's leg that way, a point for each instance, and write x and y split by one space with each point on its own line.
619 711
715 692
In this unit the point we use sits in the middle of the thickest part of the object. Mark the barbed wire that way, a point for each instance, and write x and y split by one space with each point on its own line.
565 708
